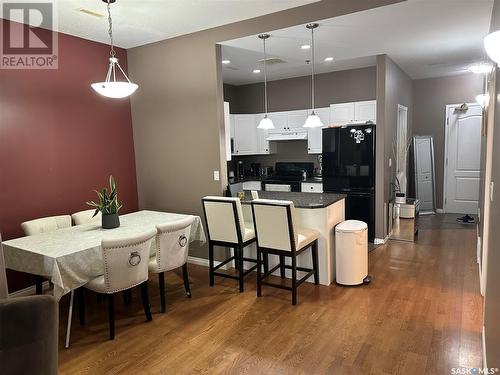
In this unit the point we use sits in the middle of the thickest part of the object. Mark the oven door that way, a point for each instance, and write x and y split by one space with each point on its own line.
278 187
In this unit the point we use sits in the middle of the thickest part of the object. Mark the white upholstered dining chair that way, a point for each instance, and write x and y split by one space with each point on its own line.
44 225
172 248
226 227
125 266
85 216
277 233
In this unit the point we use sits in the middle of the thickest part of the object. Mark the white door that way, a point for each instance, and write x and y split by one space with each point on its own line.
462 163
365 111
245 135
342 113
424 173
314 135
296 119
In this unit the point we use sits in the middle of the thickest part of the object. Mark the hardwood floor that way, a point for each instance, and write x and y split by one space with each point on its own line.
422 314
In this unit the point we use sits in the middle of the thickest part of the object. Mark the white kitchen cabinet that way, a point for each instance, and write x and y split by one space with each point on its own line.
279 119
264 147
314 135
311 187
252 185
342 113
296 119
365 111
227 128
245 135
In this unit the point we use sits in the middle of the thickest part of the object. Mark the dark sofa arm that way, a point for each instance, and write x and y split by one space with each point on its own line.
29 335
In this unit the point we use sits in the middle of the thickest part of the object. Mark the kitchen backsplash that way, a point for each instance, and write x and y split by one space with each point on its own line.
291 151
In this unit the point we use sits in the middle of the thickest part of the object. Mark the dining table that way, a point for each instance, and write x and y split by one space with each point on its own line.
71 257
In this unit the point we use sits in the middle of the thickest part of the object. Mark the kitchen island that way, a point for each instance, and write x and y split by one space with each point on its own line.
320 211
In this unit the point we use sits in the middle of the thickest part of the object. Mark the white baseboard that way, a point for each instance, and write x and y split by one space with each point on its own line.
485 363
381 241
29 290
204 262
440 211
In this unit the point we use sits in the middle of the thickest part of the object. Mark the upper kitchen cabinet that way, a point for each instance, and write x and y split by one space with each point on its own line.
263 145
345 113
279 119
248 140
342 113
365 111
245 135
296 119
314 135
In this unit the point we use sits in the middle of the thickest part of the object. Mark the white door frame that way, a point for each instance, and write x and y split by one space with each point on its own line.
445 174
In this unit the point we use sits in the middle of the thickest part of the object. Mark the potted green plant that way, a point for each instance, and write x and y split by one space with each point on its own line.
108 205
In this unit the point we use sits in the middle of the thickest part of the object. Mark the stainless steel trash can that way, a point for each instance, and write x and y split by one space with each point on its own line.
351 253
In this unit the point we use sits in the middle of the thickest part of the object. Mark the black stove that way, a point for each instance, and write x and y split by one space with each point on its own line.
288 174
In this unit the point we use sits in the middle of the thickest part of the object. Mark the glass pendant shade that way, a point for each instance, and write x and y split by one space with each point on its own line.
112 88
483 100
266 123
313 121
492 46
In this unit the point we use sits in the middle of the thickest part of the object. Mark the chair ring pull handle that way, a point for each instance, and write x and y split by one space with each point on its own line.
134 259
183 241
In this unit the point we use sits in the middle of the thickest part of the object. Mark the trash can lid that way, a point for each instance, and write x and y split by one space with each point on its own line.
351 226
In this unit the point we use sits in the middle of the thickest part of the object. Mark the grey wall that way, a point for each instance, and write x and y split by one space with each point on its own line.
430 98
177 112
492 293
295 93
394 87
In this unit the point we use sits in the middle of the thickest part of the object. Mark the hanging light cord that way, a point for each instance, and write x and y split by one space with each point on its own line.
110 30
265 77
312 68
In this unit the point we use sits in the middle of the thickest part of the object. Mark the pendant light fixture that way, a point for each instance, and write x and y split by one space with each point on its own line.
112 88
492 46
266 122
313 121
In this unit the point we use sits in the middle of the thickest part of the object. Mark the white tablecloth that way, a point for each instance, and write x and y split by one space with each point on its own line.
71 257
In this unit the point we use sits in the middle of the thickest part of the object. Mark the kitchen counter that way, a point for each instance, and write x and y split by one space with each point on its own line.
300 200
320 211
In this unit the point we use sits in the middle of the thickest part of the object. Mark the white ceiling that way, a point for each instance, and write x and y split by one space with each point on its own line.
139 22
426 38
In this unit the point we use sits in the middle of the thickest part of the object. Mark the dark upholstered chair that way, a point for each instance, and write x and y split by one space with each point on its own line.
29 335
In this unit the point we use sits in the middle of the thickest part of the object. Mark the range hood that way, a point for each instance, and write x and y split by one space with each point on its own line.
287 135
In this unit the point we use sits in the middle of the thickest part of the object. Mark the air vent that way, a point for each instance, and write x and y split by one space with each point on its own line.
272 61
91 13
231 68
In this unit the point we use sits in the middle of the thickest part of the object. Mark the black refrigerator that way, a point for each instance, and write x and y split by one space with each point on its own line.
349 168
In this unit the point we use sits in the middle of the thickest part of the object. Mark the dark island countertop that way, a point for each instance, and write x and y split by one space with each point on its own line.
300 200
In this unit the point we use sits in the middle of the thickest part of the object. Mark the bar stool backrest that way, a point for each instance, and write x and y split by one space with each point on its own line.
224 218
275 224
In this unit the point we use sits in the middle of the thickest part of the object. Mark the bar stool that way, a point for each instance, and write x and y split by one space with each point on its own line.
276 233
226 227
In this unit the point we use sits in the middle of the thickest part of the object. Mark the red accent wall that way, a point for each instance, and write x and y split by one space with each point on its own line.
59 139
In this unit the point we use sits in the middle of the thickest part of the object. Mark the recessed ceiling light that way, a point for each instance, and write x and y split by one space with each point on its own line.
328 59
256 71
226 61
480 68
305 46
